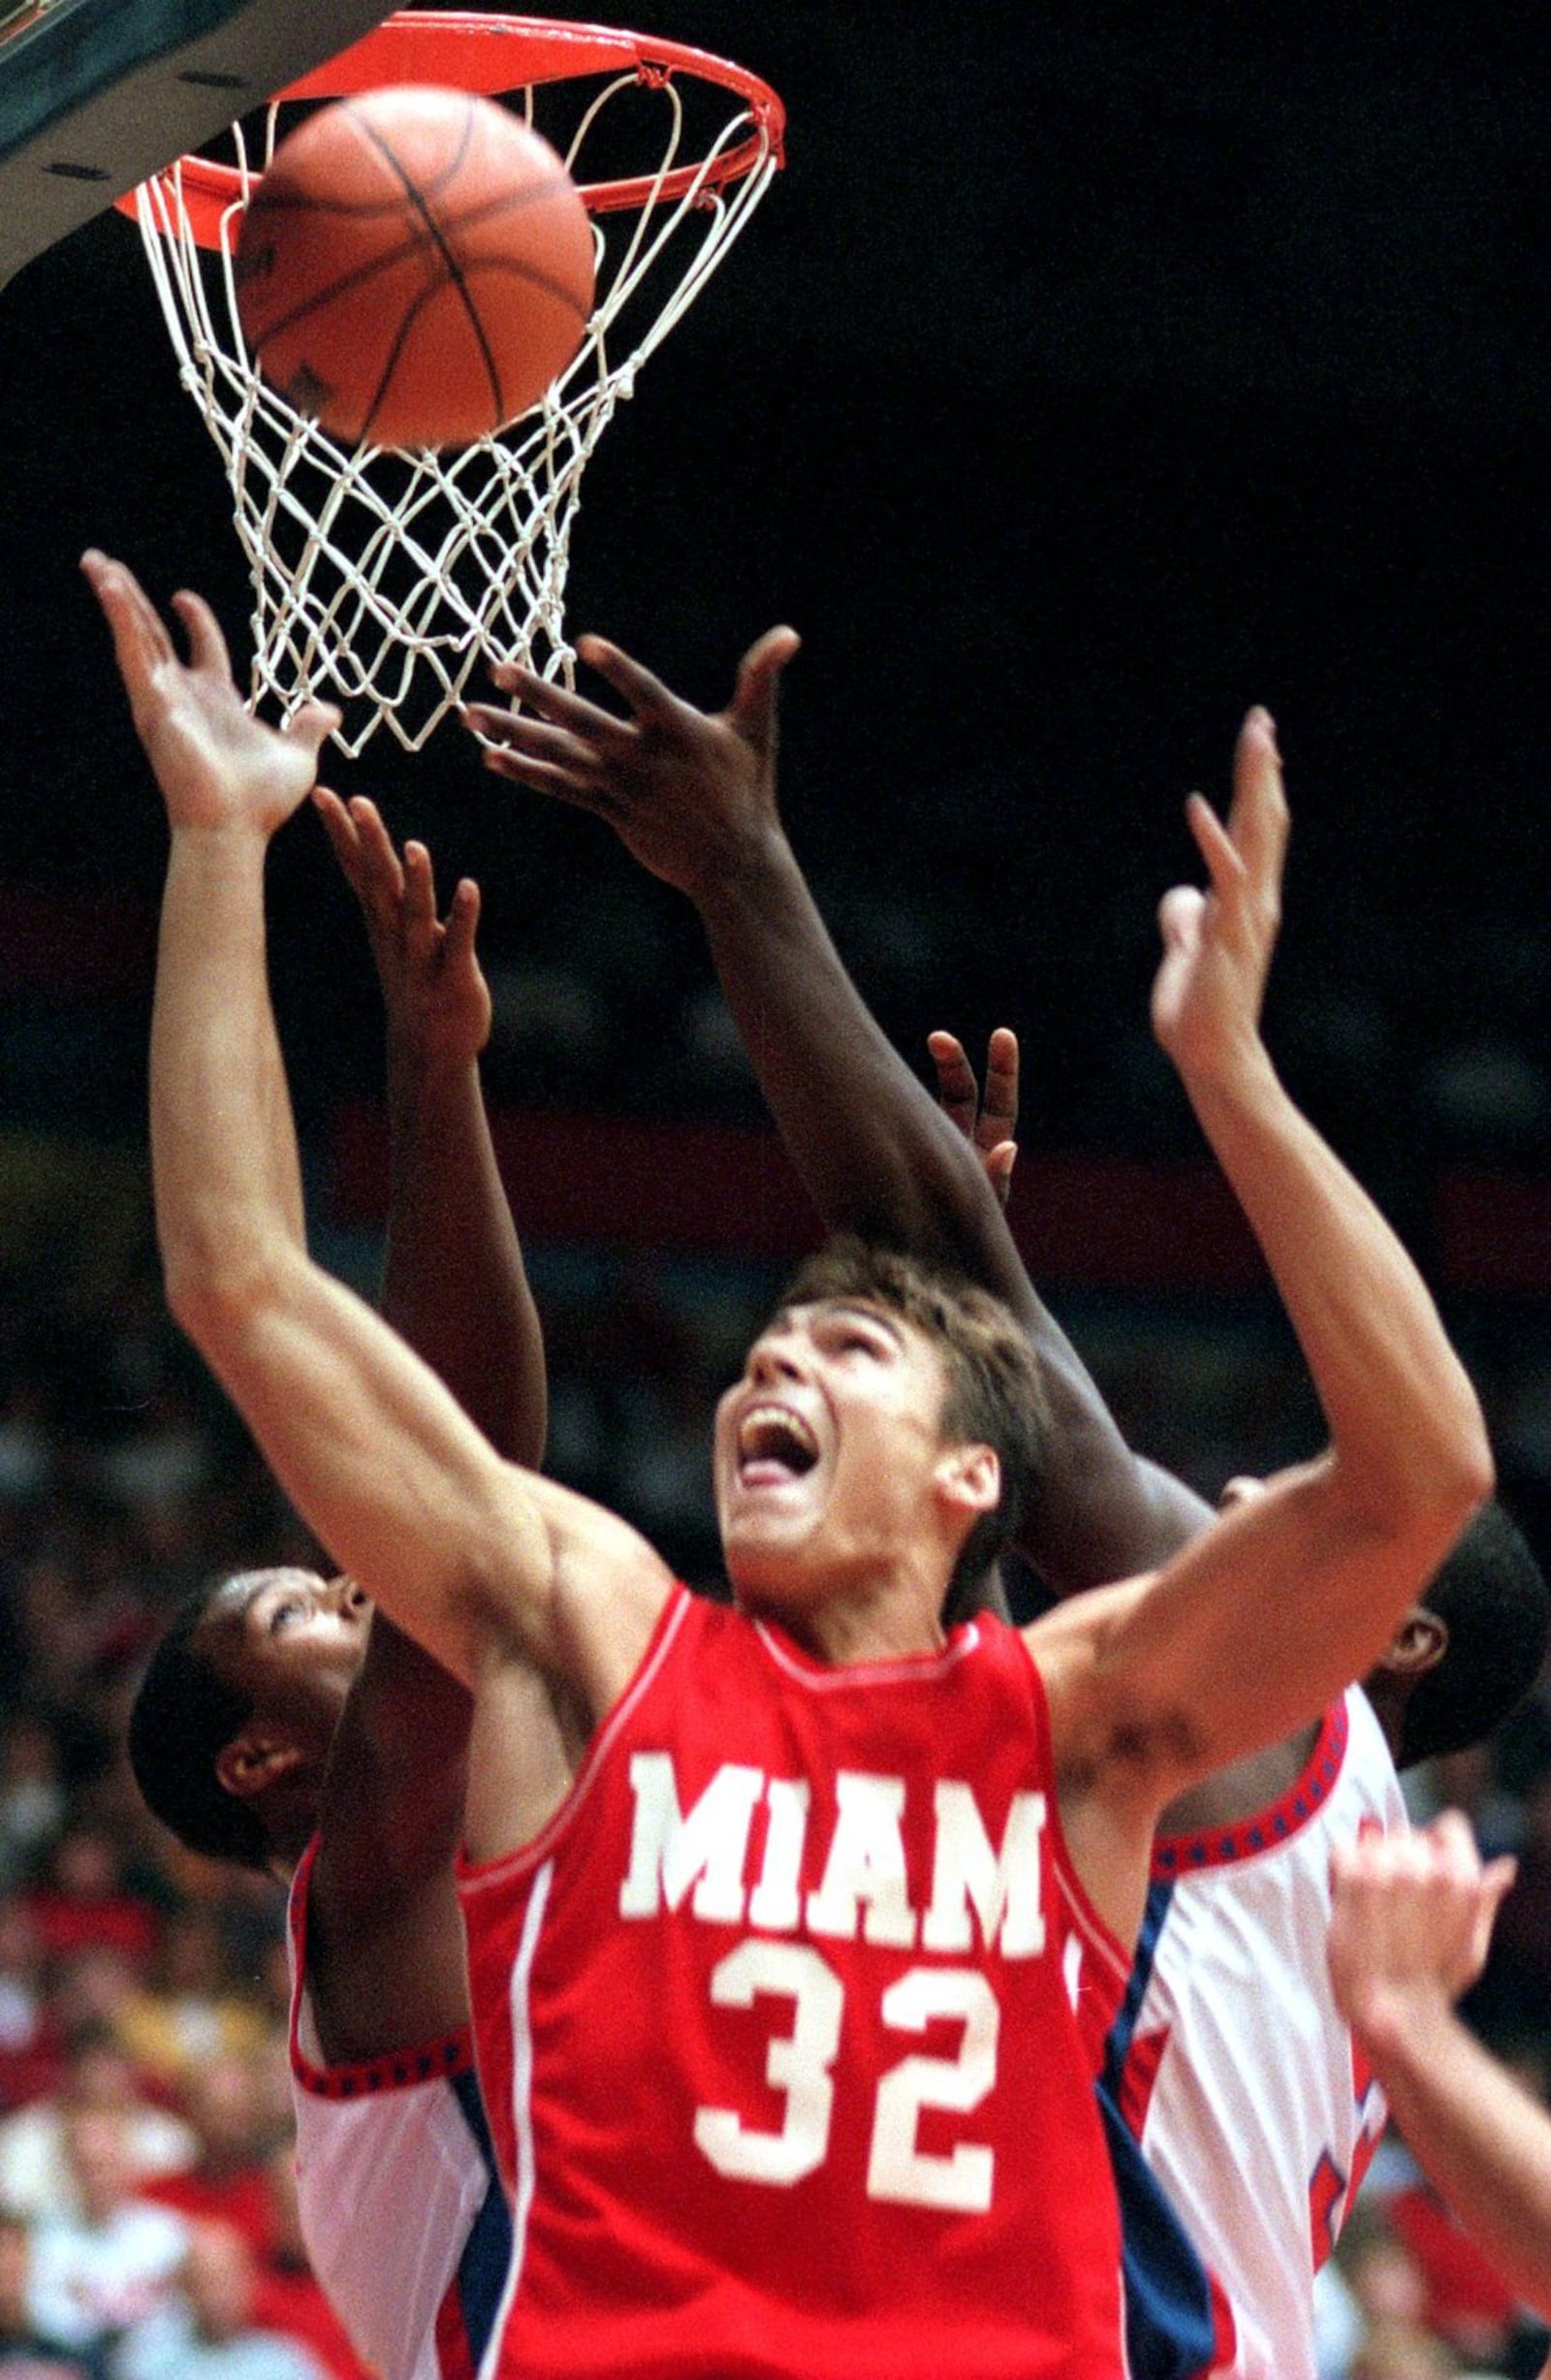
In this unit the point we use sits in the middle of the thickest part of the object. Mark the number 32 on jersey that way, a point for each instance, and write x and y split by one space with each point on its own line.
700 1861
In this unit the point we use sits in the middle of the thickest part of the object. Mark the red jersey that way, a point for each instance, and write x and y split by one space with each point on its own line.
788 2025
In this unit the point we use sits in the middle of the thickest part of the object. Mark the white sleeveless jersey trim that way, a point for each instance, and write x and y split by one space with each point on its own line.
400 2201
522 2110
1230 2062
823 1678
1094 1928
1086 1919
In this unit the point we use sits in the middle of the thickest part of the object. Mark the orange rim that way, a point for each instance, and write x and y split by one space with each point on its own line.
464 49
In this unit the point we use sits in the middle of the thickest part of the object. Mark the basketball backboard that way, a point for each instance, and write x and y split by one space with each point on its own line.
97 94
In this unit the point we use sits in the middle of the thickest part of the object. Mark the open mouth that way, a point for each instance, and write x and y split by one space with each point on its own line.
773 1445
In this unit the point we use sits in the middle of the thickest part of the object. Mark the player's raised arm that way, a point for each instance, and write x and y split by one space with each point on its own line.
472 1555
383 1938
693 796
1252 1627
1409 1926
454 1281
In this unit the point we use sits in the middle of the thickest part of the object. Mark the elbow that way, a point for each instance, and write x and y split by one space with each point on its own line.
1476 1479
211 1297
1462 1475
200 1306
1427 1500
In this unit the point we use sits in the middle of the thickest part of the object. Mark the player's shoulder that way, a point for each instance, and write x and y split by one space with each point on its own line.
1083 1626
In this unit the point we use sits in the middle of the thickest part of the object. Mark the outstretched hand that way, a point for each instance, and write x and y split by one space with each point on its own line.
216 764
1411 1921
437 1001
1218 944
991 1124
687 791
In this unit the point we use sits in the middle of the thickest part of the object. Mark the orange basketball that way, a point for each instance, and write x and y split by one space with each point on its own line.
415 268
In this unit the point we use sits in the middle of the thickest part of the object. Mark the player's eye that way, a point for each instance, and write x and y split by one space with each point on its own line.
287 1609
855 1339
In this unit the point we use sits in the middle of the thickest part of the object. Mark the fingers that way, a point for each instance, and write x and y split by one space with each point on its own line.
337 826
998 1109
545 700
397 891
462 923
648 697
957 1087
1259 819
999 1162
313 724
752 709
207 646
419 891
1224 863
1452 1839
987 1124
1178 917
363 847
545 777
140 641
551 758
1497 1879
559 747
1423 1896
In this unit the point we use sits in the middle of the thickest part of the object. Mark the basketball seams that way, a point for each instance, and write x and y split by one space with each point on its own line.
357 116
389 259
410 321
450 262
441 267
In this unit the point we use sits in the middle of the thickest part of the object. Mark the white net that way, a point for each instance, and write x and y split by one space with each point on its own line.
382 580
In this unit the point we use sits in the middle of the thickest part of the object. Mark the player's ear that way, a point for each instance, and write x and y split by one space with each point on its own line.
255 1760
1418 1644
970 1477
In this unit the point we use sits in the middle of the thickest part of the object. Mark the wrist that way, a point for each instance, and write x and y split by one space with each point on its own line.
420 1074
749 871
225 862
1398 2026
1238 1077
238 835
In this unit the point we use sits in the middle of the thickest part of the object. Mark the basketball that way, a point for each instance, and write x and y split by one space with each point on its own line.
415 268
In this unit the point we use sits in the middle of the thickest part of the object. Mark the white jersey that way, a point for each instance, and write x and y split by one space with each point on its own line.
1231 2067
401 2208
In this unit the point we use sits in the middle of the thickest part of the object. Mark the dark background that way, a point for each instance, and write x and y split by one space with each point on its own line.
1089 373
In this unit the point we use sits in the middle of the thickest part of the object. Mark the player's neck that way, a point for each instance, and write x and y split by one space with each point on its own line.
895 1622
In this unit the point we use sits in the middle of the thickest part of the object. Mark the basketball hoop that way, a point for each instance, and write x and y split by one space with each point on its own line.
381 578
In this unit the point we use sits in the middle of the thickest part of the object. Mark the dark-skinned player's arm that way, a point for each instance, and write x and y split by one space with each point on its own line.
1160 1510
385 1953
692 795
454 1281
1252 1629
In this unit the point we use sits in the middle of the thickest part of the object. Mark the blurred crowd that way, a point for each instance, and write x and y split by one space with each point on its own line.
147 2212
